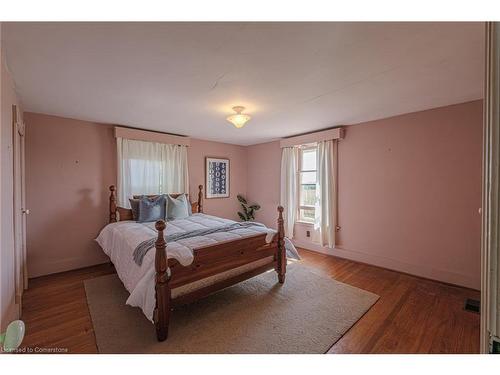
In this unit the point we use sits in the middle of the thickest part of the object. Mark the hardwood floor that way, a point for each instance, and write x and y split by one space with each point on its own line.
413 315
56 314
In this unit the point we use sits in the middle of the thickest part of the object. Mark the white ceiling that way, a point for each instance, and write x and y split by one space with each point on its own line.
183 78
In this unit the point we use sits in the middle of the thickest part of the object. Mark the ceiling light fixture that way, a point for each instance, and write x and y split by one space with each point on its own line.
239 119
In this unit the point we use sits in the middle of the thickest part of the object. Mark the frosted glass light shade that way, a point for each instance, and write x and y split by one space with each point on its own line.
239 119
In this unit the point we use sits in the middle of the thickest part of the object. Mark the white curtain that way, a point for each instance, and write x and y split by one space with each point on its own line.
288 197
325 221
150 168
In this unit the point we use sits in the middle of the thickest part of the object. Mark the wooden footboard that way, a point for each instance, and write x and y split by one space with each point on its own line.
209 261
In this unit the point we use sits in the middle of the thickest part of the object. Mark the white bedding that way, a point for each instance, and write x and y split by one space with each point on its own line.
119 240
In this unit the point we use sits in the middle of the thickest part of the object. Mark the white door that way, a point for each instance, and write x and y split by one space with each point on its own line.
20 211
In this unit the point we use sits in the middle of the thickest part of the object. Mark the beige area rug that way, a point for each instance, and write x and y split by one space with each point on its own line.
307 314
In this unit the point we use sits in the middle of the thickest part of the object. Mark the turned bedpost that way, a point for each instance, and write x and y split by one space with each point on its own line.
281 261
161 313
112 204
200 198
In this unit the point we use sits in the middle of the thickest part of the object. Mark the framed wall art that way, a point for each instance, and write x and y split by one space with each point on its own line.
217 177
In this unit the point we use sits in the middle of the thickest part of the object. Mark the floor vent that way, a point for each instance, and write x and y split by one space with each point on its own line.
495 348
472 305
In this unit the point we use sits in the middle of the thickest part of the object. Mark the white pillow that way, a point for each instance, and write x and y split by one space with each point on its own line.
177 208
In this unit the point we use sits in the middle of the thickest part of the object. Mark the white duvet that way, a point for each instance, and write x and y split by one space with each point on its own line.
119 240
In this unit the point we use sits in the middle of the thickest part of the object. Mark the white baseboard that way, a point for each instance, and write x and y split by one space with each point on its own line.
425 271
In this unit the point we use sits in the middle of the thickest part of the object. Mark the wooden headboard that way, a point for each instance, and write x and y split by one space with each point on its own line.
117 213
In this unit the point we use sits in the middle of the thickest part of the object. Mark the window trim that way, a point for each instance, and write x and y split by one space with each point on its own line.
302 148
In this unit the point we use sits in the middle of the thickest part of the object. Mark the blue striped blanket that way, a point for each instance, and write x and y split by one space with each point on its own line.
141 250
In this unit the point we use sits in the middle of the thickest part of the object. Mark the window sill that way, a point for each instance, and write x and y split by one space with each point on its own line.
300 222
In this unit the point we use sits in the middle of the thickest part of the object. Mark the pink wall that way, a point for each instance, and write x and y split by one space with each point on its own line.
69 165
409 193
224 207
9 310
264 164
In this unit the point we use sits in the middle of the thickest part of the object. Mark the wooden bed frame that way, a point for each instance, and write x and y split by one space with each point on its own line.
208 261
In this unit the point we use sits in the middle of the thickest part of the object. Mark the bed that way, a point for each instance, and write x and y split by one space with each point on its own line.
183 271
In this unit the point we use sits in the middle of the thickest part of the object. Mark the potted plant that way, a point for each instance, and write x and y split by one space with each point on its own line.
248 213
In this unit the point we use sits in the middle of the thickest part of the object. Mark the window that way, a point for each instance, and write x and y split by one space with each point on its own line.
146 176
307 183
150 168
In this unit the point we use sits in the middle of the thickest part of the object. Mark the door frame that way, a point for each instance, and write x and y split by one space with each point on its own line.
490 238
19 204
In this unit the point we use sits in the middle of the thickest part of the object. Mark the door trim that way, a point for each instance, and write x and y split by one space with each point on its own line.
18 206
490 246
